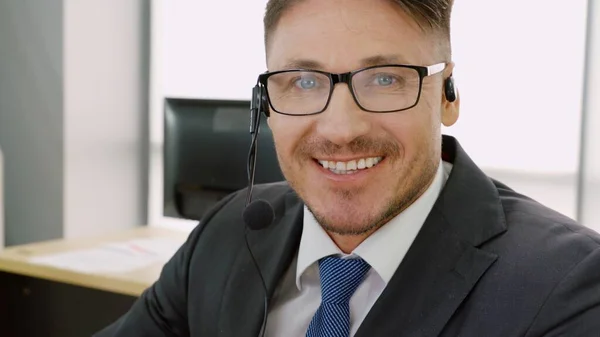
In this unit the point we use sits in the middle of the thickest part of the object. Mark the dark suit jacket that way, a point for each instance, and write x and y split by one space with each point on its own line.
488 262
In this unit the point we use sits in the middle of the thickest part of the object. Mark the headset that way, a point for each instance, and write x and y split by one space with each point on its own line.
258 214
258 105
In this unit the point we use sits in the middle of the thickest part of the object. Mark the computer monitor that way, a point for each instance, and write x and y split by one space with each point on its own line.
206 145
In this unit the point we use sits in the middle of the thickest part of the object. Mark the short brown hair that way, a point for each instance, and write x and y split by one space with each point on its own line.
430 15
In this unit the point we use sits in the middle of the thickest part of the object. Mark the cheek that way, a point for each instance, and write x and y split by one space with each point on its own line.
287 132
403 127
412 130
279 129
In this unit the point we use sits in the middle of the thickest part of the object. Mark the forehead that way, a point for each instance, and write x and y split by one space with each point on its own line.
341 35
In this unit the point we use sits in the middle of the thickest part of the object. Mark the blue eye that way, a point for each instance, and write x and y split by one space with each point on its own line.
384 80
306 83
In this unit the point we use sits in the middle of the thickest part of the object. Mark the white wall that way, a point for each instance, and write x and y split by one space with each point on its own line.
210 50
520 76
519 72
105 94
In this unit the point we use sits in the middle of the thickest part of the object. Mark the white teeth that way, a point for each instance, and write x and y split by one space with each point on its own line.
350 166
342 172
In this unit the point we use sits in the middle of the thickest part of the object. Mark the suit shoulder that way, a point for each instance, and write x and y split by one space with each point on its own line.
229 210
522 211
274 193
270 192
537 234
224 221
544 261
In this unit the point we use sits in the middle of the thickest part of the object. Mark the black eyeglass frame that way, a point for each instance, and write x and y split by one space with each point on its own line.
423 71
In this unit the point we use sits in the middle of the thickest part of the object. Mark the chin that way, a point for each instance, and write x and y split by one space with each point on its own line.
346 217
347 225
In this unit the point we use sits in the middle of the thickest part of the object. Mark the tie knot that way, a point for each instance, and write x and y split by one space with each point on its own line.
340 278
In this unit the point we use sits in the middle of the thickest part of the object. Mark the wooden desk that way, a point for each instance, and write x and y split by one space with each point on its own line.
40 300
15 260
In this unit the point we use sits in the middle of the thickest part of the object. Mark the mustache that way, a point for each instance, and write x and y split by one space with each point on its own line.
360 145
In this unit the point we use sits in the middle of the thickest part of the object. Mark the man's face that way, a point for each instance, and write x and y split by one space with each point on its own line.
404 147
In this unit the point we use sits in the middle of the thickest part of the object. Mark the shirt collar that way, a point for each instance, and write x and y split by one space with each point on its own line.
386 247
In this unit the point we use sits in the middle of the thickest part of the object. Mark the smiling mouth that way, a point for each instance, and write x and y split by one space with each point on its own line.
350 167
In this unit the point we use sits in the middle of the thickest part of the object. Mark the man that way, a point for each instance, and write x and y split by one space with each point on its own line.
383 227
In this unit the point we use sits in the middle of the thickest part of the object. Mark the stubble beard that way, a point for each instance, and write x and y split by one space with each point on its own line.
419 174
408 190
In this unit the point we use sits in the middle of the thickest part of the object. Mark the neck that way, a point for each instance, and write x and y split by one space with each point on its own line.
348 243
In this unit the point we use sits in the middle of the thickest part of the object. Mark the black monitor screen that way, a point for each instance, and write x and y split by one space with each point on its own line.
206 145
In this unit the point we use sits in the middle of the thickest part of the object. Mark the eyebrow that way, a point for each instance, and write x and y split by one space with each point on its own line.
383 59
365 62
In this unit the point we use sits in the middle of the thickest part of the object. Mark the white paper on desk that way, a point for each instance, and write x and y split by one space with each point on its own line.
160 248
115 257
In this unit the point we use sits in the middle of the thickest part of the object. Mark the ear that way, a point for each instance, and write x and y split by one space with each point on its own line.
450 109
269 122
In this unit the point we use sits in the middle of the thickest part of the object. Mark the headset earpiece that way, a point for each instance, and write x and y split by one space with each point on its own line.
449 89
255 107
264 103
258 105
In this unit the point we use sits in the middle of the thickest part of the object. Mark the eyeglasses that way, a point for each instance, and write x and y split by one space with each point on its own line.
381 89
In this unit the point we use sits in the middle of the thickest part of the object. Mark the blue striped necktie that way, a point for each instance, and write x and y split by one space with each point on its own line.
339 280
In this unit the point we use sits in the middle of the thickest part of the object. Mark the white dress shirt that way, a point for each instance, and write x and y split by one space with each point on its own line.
298 295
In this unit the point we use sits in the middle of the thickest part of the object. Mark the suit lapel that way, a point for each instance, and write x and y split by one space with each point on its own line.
433 279
274 249
445 262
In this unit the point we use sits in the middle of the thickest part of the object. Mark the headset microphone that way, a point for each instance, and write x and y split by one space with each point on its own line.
257 214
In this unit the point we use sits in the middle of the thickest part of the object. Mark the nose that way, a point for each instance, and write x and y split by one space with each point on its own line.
343 120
